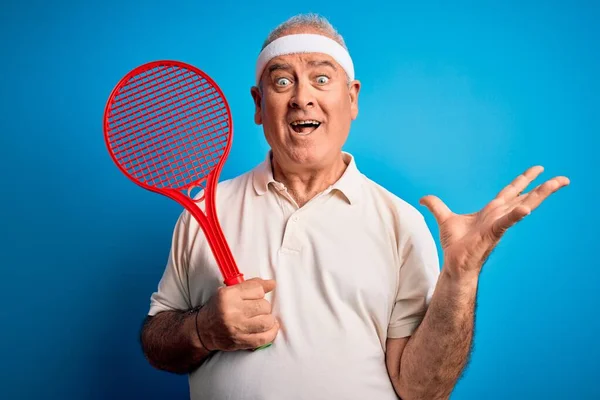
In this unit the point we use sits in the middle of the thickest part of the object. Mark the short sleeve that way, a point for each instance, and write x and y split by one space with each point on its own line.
173 289
418 276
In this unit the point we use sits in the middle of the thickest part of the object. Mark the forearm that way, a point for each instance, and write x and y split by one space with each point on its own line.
170 342
436 354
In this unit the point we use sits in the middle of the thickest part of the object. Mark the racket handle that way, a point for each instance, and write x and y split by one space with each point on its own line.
234 280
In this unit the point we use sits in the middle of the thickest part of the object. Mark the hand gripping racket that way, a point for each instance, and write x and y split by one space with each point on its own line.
168 128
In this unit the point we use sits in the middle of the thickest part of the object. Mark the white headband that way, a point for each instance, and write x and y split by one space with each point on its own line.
304 43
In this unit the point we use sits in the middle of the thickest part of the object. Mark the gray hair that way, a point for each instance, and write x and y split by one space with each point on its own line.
311 20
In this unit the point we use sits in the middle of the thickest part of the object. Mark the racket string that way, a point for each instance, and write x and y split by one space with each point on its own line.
124 103
163 103
160 132
137 110
145 75
128 102
160 143
200 146
159 123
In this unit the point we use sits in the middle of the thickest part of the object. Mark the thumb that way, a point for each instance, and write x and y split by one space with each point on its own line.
440 211
267 284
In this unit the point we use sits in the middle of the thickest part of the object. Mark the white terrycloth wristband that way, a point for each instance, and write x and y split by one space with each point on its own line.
305 43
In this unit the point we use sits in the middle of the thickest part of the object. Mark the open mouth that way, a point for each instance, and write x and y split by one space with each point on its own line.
305 127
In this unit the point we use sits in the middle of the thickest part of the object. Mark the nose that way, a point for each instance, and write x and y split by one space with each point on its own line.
302 97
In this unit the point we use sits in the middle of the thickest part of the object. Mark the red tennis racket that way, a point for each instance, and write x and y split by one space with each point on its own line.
168 128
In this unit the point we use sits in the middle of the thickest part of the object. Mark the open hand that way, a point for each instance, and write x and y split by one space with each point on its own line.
467 240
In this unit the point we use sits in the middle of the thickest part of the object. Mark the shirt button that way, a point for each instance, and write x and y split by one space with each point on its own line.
295 219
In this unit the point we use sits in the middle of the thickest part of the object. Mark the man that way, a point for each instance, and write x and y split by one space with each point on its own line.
346 281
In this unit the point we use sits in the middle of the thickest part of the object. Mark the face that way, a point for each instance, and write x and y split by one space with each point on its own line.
306 106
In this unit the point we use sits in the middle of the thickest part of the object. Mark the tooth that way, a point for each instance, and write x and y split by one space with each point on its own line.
304 122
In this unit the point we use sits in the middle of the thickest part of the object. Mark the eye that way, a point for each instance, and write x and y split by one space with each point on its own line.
322 79
283 81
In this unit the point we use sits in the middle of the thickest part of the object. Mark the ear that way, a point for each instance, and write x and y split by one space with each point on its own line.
354 88
257 97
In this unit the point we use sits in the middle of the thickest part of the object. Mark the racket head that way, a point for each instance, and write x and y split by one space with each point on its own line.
168 126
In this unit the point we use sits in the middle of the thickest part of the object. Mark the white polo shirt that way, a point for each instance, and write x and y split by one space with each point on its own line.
354 266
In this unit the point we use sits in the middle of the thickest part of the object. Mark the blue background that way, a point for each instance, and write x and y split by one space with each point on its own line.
457 99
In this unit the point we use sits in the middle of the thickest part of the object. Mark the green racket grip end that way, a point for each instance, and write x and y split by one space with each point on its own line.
264 346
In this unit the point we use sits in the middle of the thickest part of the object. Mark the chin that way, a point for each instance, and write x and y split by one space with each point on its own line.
310 155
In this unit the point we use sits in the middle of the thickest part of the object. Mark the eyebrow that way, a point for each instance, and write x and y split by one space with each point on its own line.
322 63
278 66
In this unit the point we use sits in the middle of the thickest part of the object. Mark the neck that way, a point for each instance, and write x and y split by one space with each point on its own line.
305 183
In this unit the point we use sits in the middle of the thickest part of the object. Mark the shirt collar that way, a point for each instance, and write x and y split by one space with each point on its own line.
263 176
349 183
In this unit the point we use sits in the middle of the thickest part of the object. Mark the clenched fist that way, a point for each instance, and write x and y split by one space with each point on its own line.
238 317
